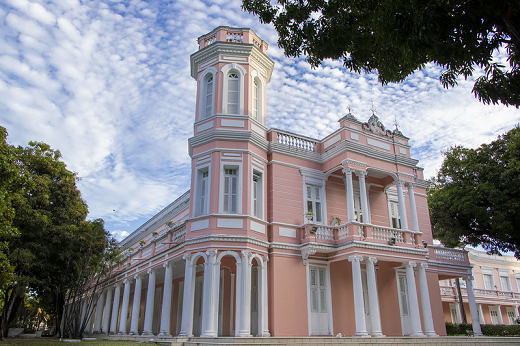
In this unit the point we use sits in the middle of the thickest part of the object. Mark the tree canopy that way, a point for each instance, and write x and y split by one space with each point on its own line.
48 244
475 198
397 38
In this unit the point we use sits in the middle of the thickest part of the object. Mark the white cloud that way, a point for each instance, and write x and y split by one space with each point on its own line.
108 84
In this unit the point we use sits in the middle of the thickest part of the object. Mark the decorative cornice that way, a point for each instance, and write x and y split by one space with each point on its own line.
227 135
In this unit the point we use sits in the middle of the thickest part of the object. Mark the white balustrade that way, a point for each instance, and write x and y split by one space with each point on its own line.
235 37
449 254
325 232
296 142
386 233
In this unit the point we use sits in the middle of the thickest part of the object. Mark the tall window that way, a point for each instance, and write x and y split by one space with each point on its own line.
314 203
233 93
201 204
395 220
256 99
358 213
505 283
230 191
488 281
256 195
208 111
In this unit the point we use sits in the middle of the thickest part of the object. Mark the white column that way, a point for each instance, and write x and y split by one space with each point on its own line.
167 301
150 298
413 208
244 305
115 309
238 298
412 298
136 305
124 306
99 312
473 307
480 314
359 306
264 330
350 194
210 299
429 329
106 314
499 310
373 298
188 299
363 195
402 207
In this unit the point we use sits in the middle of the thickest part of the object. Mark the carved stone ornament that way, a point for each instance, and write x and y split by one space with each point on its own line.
374 125
308 251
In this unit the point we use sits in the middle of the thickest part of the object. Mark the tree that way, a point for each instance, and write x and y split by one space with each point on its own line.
52 244
475 199
397 38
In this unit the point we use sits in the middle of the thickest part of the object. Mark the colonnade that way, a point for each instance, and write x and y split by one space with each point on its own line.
364 202
107 311
375 315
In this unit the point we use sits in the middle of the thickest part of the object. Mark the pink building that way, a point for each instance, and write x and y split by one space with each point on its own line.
281 234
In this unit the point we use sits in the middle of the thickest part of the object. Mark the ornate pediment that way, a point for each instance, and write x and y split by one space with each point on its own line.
376 126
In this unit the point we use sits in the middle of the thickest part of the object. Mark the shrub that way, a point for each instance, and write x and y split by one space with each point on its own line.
487 329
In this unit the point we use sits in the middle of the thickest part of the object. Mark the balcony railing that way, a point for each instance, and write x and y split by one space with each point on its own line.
443 254
480 293
355 230
295 141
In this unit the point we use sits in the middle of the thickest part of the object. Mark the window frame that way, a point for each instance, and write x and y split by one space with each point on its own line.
258 96
313 202
205 76
199 176
392 200
227 70
257 212
226 165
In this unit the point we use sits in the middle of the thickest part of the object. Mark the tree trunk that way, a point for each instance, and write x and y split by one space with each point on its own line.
461 302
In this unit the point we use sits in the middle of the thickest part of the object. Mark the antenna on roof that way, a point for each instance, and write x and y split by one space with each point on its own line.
396 124
373 109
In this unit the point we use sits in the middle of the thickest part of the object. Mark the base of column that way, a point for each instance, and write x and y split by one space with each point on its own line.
377 335
208 335
264 335
417 335
243 334
164 334
133 333
183 334
361 335
121 333
431 334
146 334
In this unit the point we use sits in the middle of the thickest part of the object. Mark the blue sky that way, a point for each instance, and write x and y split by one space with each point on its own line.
107 82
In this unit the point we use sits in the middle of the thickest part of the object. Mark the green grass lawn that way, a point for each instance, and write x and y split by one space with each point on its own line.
57 342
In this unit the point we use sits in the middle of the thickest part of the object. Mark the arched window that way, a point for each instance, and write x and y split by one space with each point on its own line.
208 111
256 100
233 93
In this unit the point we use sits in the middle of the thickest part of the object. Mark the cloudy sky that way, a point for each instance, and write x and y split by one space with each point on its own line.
107 82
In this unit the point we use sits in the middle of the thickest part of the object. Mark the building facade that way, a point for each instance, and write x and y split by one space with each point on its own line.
496 286
281 234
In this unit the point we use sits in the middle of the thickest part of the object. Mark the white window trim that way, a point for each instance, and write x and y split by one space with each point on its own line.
210 71
230 165
488 271
261 198
328 294
241 72
317 179
261 88
505 274
198 175
391 197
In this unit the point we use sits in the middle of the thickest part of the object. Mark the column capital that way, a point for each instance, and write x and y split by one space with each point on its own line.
372 260
361 174
398 182
468 278
355 258
266 259
348 171
211 252
186 256
410 185
422 265
409 264
127 281
246 253
166 265
150 271
138 276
